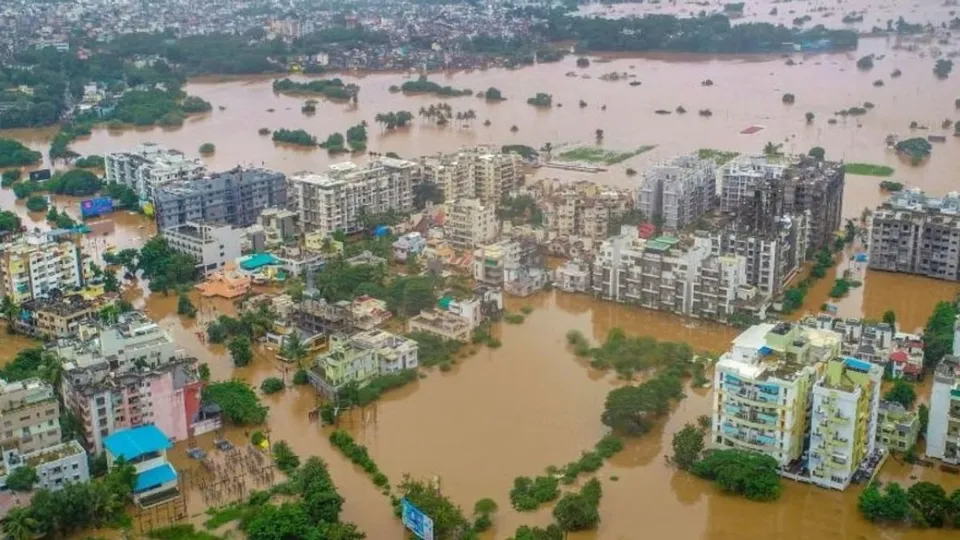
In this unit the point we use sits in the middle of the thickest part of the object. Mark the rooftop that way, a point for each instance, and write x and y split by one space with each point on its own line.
155 477
132 443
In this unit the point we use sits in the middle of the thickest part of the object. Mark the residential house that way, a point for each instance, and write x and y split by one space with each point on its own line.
145 448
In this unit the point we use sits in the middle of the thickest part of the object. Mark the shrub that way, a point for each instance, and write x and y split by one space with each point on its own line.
271 385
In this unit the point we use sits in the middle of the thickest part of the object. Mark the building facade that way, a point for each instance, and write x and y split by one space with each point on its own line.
916 234
470 223
846 401
212 245
482 172
56 316
897 428
37 264
338 199
360 358
679 191
943 424
149 166
129 374
236 197
30 415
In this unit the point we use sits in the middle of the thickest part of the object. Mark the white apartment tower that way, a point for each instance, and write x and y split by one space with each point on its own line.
335 200
470 223
149 166
482 172
943 426
679 191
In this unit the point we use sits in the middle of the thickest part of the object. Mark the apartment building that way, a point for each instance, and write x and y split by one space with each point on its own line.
666 275
469 223
30 415
763 389
212 245
740 177
846 402
337 199
279 226
37 264
899 353
943 425
150 166
914 233
482 172
584 210
360 358
679 191
130 374
56 316
897 428
573 276
56 465
236 197
773 255
441 323
815 188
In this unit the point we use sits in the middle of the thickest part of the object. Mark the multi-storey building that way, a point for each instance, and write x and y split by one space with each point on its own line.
773 255
897 428
56 316
212 245
410 244
584 210
846 400
482 173
665 275
899 353
441 323
763 387
129 374
279 226
679 191
470 223
56 465
740 177
150 166
36 264
815 188
236 197
360 358
145 448
30 415
573 276
338 199
943 424
917 234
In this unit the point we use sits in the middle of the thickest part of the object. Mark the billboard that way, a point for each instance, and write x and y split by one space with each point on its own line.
96 207
42 174
419 523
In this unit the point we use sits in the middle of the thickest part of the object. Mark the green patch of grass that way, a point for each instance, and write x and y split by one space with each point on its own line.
719 156
222 516
867 169
513 318
526 310
592 154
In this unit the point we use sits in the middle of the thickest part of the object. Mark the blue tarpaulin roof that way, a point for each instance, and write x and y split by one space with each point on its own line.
857 364
765 350
133 443
154 477
257 261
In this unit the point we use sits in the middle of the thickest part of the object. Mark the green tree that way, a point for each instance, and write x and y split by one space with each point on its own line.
752 475
237 400
185 306
938 333
902 392
203 370
207 148
810 116
241 350
448 519
9 221
22 478
890 318
931 502
687 446
286 460
20 524
579 511
271 385
890 506
294 349
37 203
817 153
923 413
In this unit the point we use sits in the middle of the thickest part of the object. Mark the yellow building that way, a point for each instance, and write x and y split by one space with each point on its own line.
36 264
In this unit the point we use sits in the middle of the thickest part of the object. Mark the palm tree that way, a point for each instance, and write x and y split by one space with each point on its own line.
771 149
20 524
295 349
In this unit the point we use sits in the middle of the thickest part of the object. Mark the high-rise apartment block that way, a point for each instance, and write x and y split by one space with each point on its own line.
337 199
740 177
212 245
36 264
917 234
30 415
235 197
665 274
943 424
584 210
129 374
470 223
679 191
483 172
843 433
787 390
150 166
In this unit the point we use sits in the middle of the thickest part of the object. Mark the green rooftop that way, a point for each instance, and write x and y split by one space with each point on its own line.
662 243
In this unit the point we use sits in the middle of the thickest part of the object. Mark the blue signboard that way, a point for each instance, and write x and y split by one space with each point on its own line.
414 519
96 207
